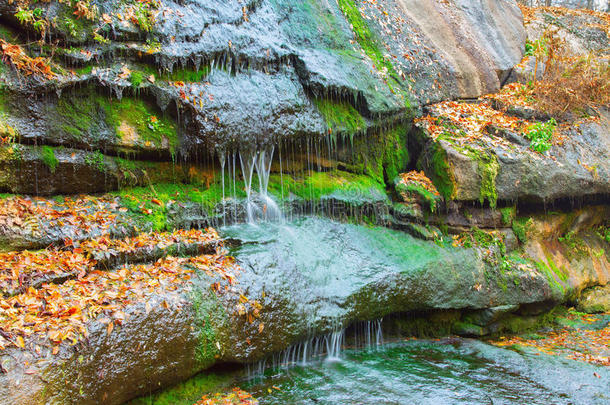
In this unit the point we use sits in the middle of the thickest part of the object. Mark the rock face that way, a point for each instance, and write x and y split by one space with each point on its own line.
249 76
599 5
594 300
527 176
285 273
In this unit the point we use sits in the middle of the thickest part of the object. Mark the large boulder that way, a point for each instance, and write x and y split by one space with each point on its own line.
309 278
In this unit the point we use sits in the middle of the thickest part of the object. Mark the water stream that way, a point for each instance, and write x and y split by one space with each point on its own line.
456 371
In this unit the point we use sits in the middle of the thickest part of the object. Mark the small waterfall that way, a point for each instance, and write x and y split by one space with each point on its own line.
366 335
259 160
247 159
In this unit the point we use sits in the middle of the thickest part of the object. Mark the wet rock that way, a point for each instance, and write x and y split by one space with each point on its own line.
263 70
468 329
489 315
594 300
575 169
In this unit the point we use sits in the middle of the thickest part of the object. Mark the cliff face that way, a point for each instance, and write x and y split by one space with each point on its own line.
230 75
363 111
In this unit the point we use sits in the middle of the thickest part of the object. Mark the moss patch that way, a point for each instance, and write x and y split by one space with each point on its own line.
77 115
47 154
382 155
150 204
337 184
441 173
135 122
153 130
488 170
136 78
521 228
508 215
206 307
188 392
340 117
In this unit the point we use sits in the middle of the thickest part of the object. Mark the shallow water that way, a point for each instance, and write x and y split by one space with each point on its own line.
456 371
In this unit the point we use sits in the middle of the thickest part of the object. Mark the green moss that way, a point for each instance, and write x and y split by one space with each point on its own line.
136 78
341 117
372 47
337 184
367 40
426 325
206 308
395 152
441 174
521 227
187 75
74 29
151 127
96 160
47 154
603 231
188 392
77 115
382 155
508 214
430 198
520 324
574 244
488 170
86 70
553 275
139 200
182 74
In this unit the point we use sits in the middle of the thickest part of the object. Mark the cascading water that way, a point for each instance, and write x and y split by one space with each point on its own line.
366 335
259 160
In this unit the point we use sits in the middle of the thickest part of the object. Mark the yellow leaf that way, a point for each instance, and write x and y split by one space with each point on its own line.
20 342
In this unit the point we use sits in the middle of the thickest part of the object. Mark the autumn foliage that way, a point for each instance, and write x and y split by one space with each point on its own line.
236 397
44 316
23 63
580 342
570 83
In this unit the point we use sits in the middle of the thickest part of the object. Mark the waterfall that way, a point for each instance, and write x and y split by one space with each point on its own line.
367 335
264 208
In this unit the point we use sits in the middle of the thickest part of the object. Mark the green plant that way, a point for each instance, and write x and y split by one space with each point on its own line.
521 227
95 160
70 27
136 78
540 135
603 232
508 214
33 17
153 123
48 158
100 39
